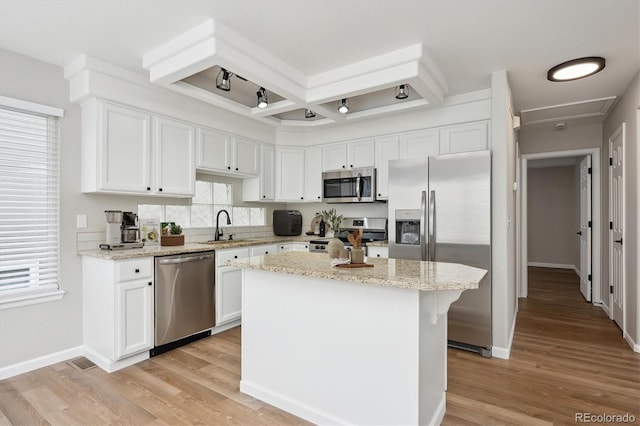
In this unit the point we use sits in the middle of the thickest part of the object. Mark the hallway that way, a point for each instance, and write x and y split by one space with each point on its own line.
567 357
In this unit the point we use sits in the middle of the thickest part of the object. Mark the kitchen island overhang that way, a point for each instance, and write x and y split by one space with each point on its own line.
349 346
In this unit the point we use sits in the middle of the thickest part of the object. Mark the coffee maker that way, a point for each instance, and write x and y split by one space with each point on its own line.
122 231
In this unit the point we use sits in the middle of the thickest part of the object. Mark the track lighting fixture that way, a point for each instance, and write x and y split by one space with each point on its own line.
263 102
223 81
343 106
402 92
309 114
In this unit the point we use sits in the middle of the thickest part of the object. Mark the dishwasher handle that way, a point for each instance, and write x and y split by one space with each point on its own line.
184 259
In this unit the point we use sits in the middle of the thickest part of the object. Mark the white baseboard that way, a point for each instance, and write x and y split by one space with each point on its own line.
505 353
289 405
631 342
43 361
438 416
606 310
110 366
553 265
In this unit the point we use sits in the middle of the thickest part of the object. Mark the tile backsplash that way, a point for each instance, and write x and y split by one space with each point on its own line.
89 239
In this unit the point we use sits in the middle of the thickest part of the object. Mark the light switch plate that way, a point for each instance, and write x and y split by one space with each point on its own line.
81 221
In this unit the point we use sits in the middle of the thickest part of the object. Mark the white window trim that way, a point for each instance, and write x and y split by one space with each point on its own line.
25 297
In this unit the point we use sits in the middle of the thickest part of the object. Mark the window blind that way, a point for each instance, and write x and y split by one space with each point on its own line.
29 201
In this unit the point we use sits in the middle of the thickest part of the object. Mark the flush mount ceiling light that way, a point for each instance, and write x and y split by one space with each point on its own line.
223 81
309 114
343 106
402 92
576 69
263 102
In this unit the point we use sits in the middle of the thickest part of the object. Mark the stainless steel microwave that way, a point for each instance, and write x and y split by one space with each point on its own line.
349 186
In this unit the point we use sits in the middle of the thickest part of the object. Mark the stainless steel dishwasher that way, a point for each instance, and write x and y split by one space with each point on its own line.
184 299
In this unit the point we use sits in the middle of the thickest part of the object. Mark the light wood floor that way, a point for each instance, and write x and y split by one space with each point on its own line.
567 357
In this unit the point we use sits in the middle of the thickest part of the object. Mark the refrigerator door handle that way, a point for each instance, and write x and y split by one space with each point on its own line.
358 184
432 226
423 226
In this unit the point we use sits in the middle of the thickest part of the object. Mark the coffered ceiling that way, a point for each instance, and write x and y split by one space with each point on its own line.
310 54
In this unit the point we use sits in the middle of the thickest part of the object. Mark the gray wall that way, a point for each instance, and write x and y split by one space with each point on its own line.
626 110
553 216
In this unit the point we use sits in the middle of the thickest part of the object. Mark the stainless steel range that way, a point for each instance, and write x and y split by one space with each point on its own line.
374 229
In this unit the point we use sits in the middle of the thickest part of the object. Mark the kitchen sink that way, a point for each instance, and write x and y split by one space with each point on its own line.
213 242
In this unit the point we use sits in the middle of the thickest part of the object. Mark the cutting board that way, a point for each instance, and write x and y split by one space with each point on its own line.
355 265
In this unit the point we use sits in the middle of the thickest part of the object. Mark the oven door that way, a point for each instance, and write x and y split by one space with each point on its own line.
351 186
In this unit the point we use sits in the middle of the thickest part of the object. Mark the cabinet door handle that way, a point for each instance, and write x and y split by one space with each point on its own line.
235 257
148 188
137 270
343 166
302 198
379 194
160 189
318 197
229 167
264 196
377 255
236 168
149 283
351 166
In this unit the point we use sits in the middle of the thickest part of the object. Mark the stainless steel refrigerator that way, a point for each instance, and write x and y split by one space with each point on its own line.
440 210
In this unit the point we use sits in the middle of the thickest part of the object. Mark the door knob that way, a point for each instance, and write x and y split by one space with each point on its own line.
579 232
618 241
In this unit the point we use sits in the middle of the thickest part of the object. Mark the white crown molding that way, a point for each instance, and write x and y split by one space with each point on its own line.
210 44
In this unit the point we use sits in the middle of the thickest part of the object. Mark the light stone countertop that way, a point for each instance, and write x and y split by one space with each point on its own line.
410 274
157 250
384 243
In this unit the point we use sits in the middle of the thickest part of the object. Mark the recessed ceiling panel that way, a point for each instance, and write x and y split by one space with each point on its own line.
242 91
373 100
297 114
590 108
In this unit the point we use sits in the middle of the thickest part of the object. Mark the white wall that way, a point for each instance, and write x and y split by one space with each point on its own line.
626 110
503 236
39 330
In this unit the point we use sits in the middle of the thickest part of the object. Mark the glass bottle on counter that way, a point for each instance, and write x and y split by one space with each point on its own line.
323 228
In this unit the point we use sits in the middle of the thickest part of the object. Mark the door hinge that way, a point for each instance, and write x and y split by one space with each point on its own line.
589 277
589 170
610 289
589 224
611 161
610 225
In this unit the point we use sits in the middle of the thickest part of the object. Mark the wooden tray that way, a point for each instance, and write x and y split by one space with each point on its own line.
355 265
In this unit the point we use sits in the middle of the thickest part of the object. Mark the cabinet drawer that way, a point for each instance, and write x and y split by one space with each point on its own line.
266 249
223 256
134 269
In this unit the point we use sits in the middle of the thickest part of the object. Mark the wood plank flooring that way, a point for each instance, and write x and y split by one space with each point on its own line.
567 357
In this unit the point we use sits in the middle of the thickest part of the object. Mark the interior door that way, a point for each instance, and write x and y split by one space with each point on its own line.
616 225
585 228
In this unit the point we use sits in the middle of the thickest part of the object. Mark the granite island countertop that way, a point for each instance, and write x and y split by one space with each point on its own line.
400 273
157 250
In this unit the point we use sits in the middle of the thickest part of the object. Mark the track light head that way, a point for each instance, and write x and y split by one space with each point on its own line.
343 106
223 81
263 102
309 114
402 92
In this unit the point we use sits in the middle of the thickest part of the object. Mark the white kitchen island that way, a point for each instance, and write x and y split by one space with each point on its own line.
364 346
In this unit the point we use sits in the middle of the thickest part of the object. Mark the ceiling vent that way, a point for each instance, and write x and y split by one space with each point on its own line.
584 109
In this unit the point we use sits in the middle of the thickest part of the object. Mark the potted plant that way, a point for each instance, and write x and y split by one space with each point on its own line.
173 235
333 221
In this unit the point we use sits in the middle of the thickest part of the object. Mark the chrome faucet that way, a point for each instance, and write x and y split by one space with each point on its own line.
219 231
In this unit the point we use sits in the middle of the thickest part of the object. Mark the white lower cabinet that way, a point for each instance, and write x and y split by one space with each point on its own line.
229 285
117 306
287 247
265 249
382 252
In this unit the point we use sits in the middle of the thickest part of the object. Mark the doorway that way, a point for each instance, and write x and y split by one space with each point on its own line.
594 153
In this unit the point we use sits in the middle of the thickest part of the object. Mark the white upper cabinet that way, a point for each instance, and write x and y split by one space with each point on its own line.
313 174
121 153
348 155
175 169
225 154
289 174
213 151
464 138
299 174
246 156
262 188
424 143
387 148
